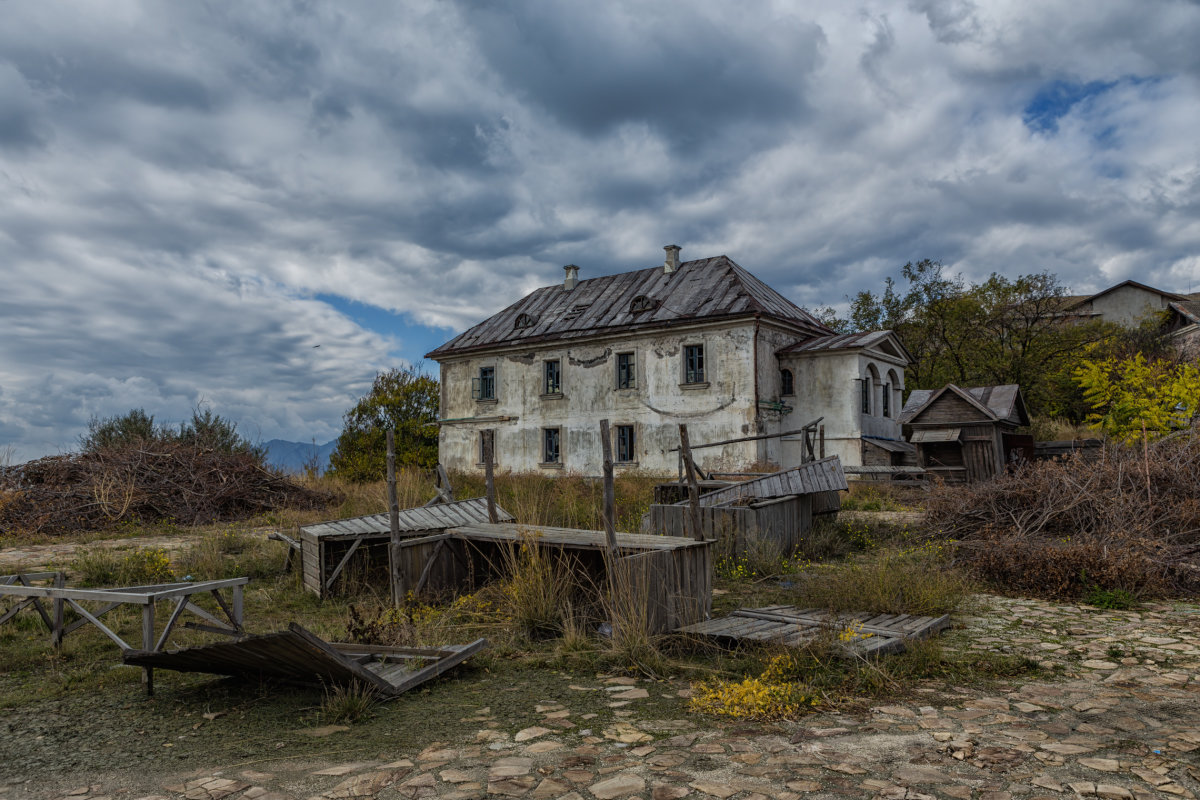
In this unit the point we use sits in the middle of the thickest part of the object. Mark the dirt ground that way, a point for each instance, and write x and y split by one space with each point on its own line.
1121 721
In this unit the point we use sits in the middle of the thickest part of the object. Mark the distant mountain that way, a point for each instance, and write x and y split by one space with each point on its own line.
296 456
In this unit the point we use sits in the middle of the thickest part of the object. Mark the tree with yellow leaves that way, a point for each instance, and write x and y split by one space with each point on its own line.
1132 397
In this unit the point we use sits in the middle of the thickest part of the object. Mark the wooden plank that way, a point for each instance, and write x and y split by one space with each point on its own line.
609 510
689 468
333 575
437 668
83 612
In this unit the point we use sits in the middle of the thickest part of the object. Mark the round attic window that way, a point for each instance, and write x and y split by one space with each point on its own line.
525 321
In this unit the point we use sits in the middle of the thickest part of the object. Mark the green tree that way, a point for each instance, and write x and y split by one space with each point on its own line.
995 332
119 430
405 399
210 431
1134 397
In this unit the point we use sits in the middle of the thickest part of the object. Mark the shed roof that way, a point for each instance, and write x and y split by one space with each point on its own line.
426 518
824 475
890 445
707 288
1188 309
1000 403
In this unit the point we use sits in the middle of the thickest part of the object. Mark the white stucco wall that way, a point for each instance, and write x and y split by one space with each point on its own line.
1128 305
722 409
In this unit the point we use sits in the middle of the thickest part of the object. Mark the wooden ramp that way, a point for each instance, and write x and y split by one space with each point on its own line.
861 633
298 656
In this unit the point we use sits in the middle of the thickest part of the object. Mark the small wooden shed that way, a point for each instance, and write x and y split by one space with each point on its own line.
358 544
966 435
777 509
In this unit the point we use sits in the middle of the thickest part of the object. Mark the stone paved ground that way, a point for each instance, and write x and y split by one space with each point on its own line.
1122 723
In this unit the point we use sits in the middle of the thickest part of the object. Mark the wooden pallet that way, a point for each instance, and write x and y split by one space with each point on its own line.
861 633
298 656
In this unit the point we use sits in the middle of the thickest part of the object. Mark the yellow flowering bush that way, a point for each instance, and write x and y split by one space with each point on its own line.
770 695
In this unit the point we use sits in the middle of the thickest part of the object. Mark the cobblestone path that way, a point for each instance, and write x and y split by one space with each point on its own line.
1123 723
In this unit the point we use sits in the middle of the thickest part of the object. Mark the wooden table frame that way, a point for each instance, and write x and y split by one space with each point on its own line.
21 586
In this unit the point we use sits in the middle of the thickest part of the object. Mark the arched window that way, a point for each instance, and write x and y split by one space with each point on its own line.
891 394
524 321
787 384
868 389
642 303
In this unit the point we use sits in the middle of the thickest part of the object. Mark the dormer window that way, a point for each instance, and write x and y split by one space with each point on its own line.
524 321
642 303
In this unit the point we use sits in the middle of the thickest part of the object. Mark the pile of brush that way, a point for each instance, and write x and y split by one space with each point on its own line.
144 482
1128 520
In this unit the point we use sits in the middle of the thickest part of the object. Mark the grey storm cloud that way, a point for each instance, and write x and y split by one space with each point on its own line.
192 194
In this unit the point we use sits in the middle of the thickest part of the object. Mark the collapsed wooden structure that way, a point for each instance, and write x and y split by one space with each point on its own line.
774 510
858 633
297 656
668 578
332 550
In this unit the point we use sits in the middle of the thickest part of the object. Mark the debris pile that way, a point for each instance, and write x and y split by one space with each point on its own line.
146 482
1127 520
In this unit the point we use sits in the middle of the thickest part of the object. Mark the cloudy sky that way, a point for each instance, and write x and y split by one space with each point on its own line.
195 195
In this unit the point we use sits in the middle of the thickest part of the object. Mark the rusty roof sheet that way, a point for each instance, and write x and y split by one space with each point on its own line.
704 289
824 475
425 518
1188 309
1000 402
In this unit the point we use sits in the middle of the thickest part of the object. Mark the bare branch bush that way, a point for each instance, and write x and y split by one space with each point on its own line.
1129 520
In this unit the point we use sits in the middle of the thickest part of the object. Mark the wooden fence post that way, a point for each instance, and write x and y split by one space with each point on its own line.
489 443
610 504
394 519
689 469
56 631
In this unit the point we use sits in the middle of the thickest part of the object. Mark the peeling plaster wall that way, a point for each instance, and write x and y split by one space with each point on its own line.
723 409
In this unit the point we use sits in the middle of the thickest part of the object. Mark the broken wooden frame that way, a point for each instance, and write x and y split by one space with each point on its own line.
858 633
813 445
296 655
21 586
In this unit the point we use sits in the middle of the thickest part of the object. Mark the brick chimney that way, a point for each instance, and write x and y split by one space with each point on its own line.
672 262
572 279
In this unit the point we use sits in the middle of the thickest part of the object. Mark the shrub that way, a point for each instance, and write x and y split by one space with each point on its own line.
773 694
232 554
347 704
110 567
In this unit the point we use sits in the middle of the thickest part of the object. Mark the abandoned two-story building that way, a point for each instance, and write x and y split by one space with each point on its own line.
701 342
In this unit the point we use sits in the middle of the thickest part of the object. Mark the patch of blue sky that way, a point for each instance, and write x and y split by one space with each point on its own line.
1054 100
415 340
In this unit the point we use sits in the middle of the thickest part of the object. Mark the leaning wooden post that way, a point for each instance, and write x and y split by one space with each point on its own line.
821 439
56 632
689 469
148 643
610 503
489 475
394 518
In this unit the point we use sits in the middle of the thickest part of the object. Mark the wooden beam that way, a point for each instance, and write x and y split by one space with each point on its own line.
489 457
83 612
689 469
753 438
345 559
437 549
610 512
180 604
393 521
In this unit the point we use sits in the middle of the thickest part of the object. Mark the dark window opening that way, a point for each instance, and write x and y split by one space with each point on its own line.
553 377
626 371
887 399
525 321
550 451
788 386
866 395
642 303
625 444
693 363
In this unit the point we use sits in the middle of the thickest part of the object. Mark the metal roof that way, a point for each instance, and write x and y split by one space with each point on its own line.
824 475
997 402
1188 309
837 341
937 435
425 518
705 289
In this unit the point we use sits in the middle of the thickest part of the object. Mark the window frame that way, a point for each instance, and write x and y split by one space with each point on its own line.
479 383
552 432
619 433
694 375
630 370
552 377
787 383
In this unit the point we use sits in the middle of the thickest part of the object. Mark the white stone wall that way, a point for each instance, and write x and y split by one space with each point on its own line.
722 409
1128 305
